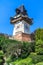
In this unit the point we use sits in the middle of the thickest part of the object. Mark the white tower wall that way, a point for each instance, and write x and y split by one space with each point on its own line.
21 26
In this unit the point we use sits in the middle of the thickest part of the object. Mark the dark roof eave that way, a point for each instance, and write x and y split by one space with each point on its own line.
17 19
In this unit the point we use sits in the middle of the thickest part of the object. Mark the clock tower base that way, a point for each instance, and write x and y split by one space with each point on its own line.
22 37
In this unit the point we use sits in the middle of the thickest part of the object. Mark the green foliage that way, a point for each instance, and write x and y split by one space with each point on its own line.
16 48
39 34
1 53
36 58
39 41
26 49
1 57
21 53
26 61
39 47
40 63
8 60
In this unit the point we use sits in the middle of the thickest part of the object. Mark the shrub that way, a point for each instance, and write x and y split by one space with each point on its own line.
1 57
26 61
39 47
40 63
36 58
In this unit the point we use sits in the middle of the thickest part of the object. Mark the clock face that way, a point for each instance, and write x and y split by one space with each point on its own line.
26 28
18 27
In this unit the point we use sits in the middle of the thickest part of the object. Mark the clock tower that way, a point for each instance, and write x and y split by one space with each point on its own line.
21 23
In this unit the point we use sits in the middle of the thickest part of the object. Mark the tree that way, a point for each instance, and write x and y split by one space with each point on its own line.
39 41
39 47
39 34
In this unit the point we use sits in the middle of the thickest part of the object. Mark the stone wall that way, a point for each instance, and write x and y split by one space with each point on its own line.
22 37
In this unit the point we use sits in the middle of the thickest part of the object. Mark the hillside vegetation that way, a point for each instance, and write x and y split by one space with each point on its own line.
13 52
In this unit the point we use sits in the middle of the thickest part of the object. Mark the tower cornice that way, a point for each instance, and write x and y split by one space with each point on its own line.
21 17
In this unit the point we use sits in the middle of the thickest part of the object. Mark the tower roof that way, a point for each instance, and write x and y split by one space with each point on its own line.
21 10
21 14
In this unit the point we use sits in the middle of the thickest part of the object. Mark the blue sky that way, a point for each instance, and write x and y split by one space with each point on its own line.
7 9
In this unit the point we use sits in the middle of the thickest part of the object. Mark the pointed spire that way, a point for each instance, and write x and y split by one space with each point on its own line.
21 10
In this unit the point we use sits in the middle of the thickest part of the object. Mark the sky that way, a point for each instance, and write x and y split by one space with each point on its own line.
7 9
